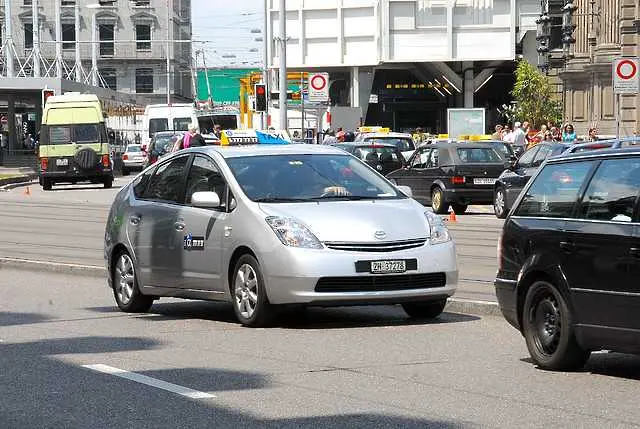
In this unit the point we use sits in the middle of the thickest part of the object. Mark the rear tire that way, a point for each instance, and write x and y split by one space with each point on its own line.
126 289
47 184
459 208
248 293
547 325
424 310
438 204
500 203
108 182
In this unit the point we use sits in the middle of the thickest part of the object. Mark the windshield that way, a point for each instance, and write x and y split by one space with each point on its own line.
288 178
157 125
404 144
478 154
209 122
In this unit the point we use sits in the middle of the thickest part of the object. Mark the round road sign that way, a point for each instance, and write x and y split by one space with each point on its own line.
318 82
626 69
4 120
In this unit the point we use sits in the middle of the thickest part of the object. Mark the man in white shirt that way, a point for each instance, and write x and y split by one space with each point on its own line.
519 138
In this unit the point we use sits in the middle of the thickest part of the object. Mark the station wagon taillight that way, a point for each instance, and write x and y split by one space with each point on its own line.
458 180
44 163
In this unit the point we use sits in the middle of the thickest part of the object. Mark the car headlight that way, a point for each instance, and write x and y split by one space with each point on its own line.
293 233
438 230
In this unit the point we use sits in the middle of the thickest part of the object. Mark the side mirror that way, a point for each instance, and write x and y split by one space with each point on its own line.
205 200
405 190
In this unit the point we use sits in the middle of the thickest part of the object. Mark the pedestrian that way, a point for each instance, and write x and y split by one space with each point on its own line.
330 137
593 134
518 139
568 134
505 132
3 146
195 138
497 135
186 139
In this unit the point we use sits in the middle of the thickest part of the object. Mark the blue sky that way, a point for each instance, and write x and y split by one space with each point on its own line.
225 27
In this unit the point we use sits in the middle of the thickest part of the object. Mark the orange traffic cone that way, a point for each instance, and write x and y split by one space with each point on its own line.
452 216
27 190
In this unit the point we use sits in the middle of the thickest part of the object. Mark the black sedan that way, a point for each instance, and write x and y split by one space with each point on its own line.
452 174
385 158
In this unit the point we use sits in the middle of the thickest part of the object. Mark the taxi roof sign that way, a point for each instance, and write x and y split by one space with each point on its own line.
250 137
374 129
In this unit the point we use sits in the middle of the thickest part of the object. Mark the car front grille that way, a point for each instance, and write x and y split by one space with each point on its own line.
389 246
379 283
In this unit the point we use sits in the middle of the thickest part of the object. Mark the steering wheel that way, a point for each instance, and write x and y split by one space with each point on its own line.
335 191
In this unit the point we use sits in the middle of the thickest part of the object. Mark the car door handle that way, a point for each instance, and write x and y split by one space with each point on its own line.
179 226
135 219
567 246
635 252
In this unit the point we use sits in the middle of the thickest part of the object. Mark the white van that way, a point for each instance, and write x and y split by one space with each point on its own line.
167 117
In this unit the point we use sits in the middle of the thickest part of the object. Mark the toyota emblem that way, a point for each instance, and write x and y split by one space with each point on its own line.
380 235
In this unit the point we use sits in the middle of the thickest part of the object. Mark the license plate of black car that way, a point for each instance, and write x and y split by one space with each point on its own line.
62 162
384 267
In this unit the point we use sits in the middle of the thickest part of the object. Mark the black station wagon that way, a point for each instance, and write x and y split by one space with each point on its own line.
569 258
452 174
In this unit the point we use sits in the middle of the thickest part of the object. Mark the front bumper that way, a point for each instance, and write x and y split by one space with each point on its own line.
291 275
469 196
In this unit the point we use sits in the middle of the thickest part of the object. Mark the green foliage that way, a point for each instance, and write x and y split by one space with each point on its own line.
534 98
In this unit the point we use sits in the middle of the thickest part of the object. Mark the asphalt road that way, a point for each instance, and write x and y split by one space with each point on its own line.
67 225
70 359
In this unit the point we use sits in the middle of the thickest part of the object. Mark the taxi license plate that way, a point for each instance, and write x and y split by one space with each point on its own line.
383 267
62 162
483 181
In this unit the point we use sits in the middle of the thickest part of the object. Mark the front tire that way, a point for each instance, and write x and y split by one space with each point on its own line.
500 203
424 310
547 325
438 204
125 286
249 295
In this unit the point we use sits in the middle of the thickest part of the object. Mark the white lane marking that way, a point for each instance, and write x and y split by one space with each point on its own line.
149 381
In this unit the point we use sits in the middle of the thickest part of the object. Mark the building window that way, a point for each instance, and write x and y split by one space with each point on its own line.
144 81
28 36
109 77
27 2
141 3
68 3
143 37
68 36
106 34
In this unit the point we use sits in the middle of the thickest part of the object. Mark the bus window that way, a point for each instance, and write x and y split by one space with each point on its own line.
181 124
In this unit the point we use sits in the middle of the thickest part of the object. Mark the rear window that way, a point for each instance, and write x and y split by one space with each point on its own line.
554 193
378 154
401 143
181 124
477 154
66 134
134 148
157 125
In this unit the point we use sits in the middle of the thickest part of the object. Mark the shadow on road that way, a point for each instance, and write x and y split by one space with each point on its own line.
300 318
43 390
10 319
610 364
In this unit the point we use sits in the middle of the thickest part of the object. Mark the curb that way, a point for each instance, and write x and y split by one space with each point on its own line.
56 267
454 305
12 182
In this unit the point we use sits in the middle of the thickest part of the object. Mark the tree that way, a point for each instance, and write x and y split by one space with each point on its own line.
534 97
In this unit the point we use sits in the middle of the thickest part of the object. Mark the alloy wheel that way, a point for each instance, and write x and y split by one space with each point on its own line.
498 203
246 291
124 278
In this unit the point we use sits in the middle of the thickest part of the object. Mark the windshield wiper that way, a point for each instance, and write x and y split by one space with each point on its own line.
282 200
345 197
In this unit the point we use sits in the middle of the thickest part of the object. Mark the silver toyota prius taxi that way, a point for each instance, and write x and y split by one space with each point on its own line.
266 225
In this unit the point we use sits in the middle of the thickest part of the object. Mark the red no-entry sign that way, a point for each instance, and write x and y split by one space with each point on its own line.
319 87
625 76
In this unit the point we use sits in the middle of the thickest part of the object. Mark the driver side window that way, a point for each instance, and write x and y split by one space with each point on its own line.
204 176
421 159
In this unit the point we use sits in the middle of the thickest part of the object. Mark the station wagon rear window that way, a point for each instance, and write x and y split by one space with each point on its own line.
67 134
478 154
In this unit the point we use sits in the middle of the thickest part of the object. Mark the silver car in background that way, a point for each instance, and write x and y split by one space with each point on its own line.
266 225
133 158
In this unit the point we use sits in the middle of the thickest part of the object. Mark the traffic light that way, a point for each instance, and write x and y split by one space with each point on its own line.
260 91
46 93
